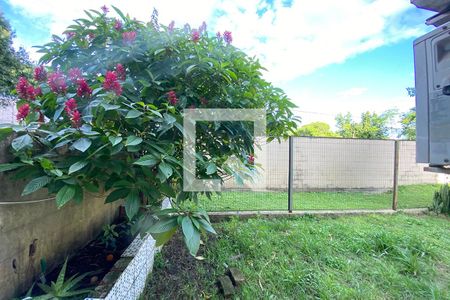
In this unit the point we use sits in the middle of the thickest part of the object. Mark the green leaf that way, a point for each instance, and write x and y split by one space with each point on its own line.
77 166
163 225
146 160
47 164
159 51
169 119
162 238
9 167
132 204
56 172
167 190
191 235
119 12
190 69
24 141
116 149
58 113
116 195
5 132
108 107
133 140
36 184
64 195
211 168
91 187
206 225
115 140
78 197
132 114
61 275
165 170
82 144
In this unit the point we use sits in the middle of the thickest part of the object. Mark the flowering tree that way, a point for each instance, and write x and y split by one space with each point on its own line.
104 111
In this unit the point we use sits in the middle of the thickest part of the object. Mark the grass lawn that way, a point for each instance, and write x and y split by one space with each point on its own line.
410 196
353 257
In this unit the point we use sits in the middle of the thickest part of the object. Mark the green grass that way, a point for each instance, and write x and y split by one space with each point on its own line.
410 196
357 257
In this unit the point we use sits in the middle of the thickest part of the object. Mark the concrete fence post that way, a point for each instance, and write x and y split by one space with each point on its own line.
290 172
395 183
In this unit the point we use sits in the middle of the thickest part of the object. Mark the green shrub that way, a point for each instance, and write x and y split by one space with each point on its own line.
441 200
105 110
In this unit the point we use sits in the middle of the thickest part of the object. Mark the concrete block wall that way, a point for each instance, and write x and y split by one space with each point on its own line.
32 228
333 164
411 172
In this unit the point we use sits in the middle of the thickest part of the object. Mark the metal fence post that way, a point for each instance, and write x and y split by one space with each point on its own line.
290 172
395 187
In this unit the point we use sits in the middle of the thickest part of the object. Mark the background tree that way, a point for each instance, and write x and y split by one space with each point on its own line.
319 129
408 119
12 63
411 91
371 126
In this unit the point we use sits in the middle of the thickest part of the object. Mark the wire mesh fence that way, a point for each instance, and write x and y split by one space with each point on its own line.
333 174
327 174
8 109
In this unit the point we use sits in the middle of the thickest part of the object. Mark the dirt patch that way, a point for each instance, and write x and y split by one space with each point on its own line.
95 258
174 267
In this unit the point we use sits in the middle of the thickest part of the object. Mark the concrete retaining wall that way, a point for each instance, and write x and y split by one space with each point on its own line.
30 231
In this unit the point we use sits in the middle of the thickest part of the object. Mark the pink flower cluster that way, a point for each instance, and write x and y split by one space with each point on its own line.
57 83
105 9
195 36
71 109
27 91
40 75
23 111
172 98
74 74
171 26
118 25
70 34
83 89
128 37
202 28
111 83
120 72
227 37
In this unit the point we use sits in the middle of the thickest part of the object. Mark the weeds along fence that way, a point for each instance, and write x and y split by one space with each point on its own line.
306 173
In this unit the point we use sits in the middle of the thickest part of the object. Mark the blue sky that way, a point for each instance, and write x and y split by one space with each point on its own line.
329 56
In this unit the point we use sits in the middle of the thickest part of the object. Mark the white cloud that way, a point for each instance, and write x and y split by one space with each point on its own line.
290 41
353 92
308 35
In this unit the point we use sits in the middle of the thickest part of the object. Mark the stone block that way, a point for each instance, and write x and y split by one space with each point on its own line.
226 286
236 276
